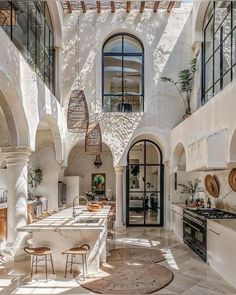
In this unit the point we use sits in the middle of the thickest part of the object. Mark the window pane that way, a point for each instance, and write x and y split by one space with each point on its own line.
152 154
5 17
227 54
131 45
221 10
217 87
209 94
217 39
234 14
208 42
32 34
153 178
114 45
19 30
112 103
209 74
234 72
227 26
40 42
133 103
234 47
132 75
112 74
217 65
227 78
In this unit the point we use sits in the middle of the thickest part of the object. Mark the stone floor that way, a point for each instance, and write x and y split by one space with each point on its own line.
191 275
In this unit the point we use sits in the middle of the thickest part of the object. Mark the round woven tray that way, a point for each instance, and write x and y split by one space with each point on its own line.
212 185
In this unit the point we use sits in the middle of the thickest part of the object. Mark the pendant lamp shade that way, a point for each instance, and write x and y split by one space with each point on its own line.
93 139
78 115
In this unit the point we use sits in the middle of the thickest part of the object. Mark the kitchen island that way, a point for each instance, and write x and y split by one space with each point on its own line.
61 231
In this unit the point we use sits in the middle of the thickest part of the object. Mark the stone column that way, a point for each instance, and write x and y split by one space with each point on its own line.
16 161
119 170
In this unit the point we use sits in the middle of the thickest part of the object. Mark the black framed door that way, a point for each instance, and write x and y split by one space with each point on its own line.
144 185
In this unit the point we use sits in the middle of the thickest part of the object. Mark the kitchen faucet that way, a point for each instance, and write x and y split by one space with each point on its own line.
74 209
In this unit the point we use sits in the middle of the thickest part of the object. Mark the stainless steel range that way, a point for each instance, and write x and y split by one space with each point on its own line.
195 227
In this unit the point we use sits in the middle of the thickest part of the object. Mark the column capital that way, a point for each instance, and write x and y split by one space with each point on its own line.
119 169
16 155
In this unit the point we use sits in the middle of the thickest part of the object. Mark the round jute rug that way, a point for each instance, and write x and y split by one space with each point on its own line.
131 275
134 254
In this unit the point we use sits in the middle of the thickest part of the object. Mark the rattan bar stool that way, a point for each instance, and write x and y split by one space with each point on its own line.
70 255
40 254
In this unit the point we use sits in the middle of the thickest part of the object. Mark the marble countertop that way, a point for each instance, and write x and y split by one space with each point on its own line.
63 220
3 205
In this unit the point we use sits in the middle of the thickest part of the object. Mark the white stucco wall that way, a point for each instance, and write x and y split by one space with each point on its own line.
167 48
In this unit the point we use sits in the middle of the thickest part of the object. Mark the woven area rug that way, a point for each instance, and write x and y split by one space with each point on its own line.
131 273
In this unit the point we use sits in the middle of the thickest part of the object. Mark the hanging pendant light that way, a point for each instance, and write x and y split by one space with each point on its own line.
93 139
78 115
98 161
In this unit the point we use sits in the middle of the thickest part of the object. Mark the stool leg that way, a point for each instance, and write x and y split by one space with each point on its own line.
32 265
86 266
83 267
36 264
46 266
71 262
66 265
52 264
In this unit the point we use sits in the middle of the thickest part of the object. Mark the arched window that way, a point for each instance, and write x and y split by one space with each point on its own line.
123 74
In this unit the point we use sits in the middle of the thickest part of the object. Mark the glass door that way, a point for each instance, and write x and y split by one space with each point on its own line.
144 178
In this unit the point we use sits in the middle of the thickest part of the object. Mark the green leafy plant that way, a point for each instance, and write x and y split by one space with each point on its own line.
184 85
34 177
134 170
191 188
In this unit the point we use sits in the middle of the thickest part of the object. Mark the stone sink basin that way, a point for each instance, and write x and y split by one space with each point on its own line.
88 220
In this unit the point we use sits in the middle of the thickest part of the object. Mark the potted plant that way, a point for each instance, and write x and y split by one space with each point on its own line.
184 85
191 188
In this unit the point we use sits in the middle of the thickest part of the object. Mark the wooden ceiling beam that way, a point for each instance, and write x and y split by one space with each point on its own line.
156 5
113 7
69 6
99 8
83 5
170 6
142 6
128 6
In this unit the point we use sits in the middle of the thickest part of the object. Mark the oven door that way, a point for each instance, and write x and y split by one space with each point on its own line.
194 234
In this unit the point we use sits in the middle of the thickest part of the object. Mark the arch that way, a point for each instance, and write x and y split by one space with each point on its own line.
123 73
56 14
146 133
52 123
11 103
179 157
144 184
199 11
232 147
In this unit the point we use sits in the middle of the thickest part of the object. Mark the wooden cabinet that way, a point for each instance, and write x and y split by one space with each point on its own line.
177 221
3 224
221 256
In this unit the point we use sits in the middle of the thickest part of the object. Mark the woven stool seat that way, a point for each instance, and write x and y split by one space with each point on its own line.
40 254
72 253
78 250
38 251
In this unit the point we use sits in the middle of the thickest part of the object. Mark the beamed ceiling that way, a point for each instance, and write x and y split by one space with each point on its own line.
99 6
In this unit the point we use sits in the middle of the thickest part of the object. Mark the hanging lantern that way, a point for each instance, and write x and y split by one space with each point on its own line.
98 161
93 139
78 115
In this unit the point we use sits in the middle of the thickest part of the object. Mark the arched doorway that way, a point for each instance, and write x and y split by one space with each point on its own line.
144 185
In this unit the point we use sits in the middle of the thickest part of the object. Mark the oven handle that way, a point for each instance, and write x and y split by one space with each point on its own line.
191 225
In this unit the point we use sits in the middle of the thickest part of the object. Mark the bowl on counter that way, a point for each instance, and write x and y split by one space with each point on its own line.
94 206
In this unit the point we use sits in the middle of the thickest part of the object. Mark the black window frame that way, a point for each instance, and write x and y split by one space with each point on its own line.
122 55
220 81
34 62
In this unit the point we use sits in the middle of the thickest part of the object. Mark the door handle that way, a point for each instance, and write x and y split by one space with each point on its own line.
191 225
